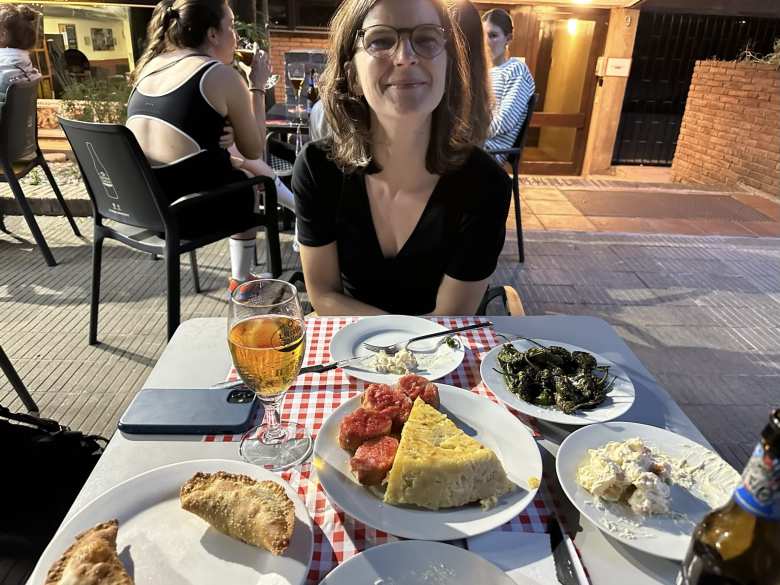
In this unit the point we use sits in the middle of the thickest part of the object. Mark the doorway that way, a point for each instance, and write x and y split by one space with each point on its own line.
561 47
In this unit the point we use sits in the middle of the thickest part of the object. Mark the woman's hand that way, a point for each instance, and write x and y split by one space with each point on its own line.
261 69
228 136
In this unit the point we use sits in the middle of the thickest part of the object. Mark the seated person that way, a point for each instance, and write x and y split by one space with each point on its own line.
18 32
318 126
185 93
392 208
512 83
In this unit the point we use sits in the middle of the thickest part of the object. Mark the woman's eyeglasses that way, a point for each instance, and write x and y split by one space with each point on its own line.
381 41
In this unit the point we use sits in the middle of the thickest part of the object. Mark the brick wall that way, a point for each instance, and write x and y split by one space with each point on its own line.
282 42
730 133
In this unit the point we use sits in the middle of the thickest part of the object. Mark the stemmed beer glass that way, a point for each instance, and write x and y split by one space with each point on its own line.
267 340
296 73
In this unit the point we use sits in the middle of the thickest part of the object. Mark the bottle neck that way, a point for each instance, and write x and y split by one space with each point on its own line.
759 490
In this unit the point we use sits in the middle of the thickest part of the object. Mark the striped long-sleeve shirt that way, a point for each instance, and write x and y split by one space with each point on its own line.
513 85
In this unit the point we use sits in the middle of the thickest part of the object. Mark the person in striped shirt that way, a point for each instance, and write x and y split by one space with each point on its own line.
512 83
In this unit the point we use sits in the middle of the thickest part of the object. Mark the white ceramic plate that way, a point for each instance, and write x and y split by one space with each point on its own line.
436 358
665 536
158 542
618 401
414 562
490 424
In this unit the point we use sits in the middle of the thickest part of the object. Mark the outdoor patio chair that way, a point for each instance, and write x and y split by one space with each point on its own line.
124 191
20 154
280 156
515 154
16 383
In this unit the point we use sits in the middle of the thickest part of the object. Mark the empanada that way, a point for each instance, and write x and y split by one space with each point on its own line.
255 512
91 560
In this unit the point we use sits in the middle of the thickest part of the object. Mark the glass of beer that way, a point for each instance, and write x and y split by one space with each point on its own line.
245 56
267 339
296 73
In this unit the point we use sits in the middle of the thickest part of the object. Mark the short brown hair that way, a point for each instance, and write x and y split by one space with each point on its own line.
18 26
349 115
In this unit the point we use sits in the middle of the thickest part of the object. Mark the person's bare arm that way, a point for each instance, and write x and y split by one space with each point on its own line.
245 109
459 297
323 283
228 94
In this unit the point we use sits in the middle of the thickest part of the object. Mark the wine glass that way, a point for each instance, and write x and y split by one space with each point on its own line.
267 339
296 73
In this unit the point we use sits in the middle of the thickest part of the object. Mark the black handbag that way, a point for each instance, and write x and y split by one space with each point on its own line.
44 467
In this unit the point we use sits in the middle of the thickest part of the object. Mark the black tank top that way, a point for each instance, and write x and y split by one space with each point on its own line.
184 107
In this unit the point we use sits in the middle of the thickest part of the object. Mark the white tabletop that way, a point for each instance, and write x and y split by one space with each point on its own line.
197 357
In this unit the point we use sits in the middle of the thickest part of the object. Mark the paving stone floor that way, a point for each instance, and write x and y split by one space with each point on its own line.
701 312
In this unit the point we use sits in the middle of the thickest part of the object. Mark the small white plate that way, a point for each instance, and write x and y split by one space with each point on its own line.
158 542
664 536
414 562
490 424
436 358
618 401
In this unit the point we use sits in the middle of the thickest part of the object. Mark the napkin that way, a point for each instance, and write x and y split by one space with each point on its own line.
525 557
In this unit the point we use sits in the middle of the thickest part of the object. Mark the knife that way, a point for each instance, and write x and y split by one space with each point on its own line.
320 368
317 369
568 567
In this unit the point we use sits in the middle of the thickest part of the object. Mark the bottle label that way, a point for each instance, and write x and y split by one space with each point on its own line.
759 492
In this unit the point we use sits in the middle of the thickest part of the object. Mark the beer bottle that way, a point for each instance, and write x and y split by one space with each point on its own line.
739 543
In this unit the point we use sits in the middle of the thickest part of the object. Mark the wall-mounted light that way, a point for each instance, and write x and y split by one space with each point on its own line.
571 26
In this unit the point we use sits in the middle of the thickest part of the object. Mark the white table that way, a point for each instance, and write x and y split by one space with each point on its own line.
197 356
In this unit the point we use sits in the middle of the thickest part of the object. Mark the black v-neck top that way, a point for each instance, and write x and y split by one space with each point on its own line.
460 232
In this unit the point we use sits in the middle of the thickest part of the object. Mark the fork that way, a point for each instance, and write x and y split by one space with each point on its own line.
394 348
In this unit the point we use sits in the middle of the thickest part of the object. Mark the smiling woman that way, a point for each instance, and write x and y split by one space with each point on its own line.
398 211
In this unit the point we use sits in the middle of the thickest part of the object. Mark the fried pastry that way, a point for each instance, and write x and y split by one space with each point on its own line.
255 512
91 560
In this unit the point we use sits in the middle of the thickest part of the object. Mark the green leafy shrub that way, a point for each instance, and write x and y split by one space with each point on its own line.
250 32
97 100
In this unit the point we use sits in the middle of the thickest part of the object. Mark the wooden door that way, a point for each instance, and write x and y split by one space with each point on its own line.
560 46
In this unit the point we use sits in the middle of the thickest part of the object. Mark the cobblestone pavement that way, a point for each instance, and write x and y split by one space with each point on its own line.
702 313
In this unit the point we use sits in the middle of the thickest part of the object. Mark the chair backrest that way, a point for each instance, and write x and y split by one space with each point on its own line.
117 175
523 133
19 122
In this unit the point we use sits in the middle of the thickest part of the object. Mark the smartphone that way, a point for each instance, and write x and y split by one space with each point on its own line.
203 411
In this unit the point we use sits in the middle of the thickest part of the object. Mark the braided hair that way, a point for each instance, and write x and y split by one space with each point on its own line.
179 24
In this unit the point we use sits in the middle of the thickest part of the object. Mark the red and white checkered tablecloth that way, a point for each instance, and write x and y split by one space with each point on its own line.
337 536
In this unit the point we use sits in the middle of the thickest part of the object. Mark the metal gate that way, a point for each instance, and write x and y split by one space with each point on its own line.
667 47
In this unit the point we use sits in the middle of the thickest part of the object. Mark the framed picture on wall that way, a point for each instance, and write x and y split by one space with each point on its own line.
103 39
69 33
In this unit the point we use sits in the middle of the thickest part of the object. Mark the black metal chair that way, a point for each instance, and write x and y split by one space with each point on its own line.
280 156
20 154
123 189
515 154
17 384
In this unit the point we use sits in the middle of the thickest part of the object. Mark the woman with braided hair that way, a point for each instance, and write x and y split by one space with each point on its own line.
185 94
